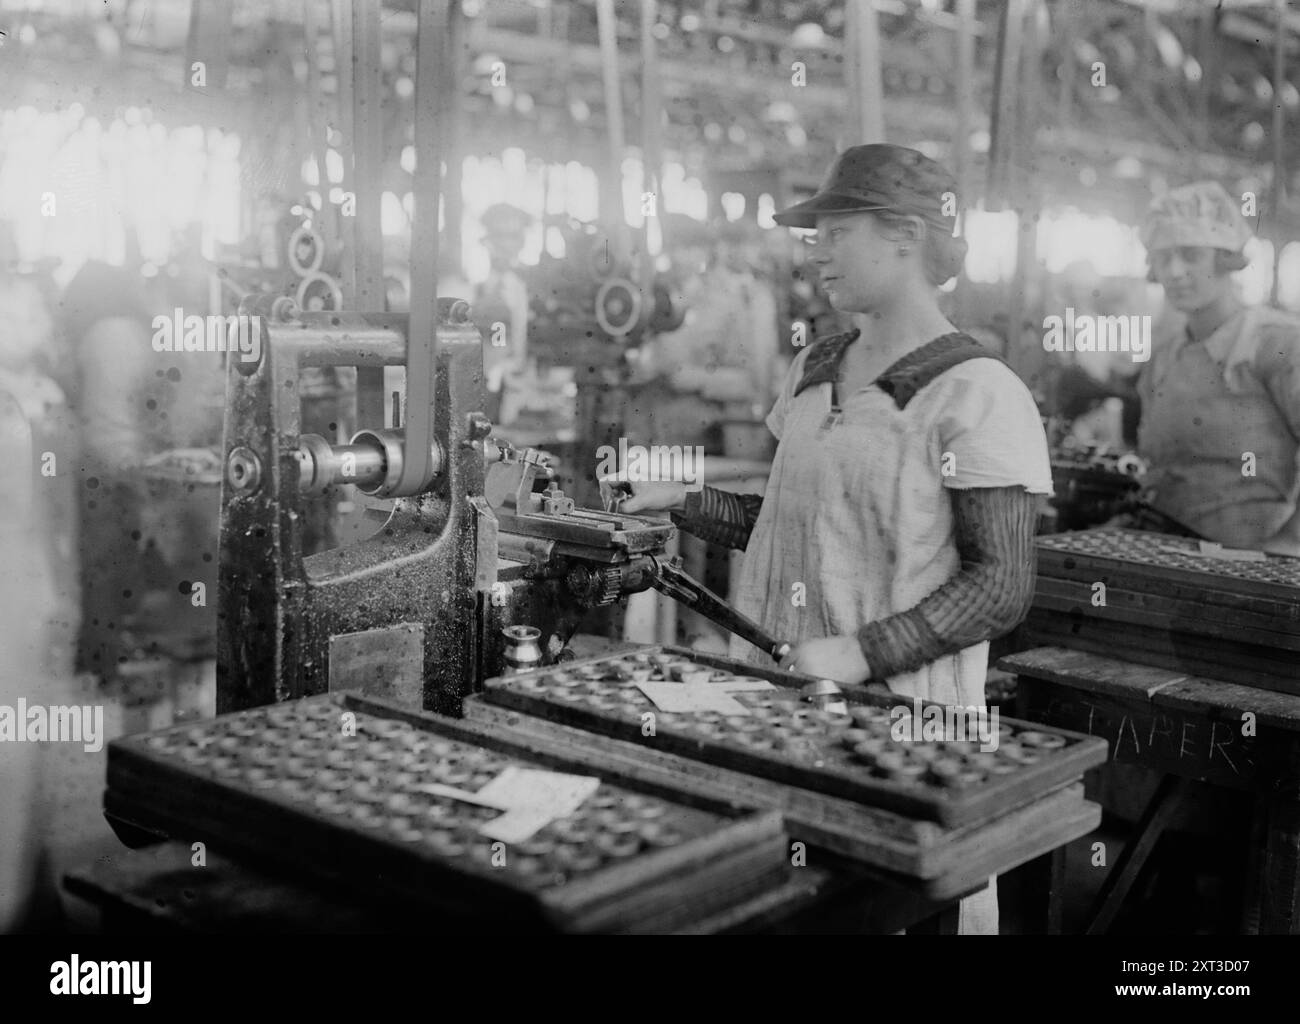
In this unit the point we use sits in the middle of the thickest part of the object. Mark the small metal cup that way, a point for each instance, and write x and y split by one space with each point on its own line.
826 695
523 653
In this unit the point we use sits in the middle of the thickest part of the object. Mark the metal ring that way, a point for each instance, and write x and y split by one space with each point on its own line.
629 323
305 233
243 470
318 304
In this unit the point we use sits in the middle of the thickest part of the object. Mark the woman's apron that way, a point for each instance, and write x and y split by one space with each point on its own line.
857 524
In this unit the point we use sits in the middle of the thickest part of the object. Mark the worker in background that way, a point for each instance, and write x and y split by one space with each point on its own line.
27 338
500 305
896 534
727 349
1220 421
122 400
721 367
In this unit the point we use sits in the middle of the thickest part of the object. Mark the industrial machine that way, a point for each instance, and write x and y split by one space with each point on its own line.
1094 485
588 310
415 612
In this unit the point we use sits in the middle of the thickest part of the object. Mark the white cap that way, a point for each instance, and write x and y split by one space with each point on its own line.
1199 214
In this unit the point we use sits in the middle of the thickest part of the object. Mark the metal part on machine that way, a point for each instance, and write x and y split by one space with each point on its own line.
596 587
554 502
243 470
530 551
595 536
308 239
279 308
322 464
1130 465
522 652
825 695
390 446
477 428
319 293
1093 485
498 449
619 307
1099 460
534 462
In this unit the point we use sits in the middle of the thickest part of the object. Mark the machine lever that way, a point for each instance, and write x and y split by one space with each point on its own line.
670 579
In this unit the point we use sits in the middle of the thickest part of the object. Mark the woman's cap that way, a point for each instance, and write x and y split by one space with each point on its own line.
1201 214
881 177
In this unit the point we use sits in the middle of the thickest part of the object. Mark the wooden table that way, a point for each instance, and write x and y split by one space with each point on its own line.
1189 729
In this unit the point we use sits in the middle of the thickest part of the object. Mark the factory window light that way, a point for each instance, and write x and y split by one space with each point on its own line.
733 205
514 162
555 243
654 237
392 218
1256 279
682 194
1067 236
991 237
633 185
107 180
334 165
1288 270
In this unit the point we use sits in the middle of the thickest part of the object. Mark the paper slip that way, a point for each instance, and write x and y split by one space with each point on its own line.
533 799
1213 550
686 697
1209 549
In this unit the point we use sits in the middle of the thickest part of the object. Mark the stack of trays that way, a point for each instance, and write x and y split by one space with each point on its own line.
1161 603
290 786
940 809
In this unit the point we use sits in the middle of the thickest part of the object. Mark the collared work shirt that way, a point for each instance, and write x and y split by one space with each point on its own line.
1221 427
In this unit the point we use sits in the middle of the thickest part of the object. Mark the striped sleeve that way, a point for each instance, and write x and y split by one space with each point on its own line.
720 517
988 597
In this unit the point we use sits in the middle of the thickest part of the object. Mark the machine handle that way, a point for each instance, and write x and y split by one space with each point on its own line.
677 584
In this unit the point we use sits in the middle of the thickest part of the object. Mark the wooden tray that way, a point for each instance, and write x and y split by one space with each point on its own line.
1167 613
938 863
285 785
1157 563
1196 654
813 756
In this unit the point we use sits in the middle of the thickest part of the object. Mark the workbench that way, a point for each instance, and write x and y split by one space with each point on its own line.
844 868
291 865
156 889
1189 729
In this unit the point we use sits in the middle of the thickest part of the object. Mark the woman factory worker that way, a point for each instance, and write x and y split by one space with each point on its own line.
896 535
1221 399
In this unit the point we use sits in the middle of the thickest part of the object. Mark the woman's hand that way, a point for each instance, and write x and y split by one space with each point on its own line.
653 496
833 657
